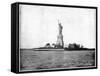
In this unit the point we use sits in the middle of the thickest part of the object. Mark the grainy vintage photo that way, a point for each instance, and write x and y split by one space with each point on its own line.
54 37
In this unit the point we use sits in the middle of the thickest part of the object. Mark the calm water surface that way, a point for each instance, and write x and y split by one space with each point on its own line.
37 60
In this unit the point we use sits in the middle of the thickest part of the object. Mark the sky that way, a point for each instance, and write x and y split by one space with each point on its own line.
39 25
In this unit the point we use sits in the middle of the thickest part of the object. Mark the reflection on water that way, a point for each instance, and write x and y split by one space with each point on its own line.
36 60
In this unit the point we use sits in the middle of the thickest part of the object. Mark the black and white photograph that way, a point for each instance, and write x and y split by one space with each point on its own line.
56 37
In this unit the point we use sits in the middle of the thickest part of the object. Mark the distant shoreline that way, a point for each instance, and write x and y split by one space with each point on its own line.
56 49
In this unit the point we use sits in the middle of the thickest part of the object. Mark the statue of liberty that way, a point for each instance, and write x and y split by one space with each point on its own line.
60 43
